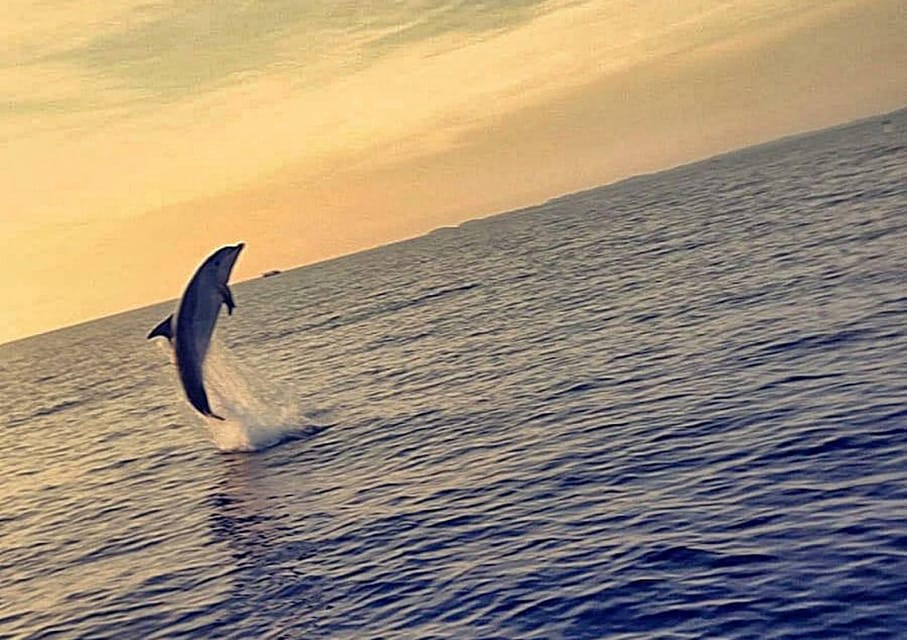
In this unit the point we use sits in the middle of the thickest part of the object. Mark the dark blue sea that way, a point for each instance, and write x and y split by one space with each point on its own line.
672 407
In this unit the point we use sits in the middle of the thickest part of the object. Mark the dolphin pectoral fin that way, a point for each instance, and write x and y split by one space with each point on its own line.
164 329
228 298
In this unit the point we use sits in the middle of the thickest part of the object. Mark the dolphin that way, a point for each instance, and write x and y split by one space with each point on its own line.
190 330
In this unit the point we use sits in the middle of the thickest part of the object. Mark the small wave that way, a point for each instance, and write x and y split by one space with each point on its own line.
50 410
56 408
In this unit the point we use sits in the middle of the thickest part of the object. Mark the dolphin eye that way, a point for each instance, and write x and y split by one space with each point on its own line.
217 263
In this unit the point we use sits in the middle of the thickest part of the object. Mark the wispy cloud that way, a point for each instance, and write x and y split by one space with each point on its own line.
165 51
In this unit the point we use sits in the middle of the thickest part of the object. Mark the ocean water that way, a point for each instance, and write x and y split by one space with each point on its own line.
673 407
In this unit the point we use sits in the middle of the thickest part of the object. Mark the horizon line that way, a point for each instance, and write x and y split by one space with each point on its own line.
493 214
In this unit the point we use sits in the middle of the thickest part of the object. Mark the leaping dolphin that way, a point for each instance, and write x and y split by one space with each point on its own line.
190 333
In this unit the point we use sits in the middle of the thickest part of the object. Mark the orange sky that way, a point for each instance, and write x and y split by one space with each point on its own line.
141 136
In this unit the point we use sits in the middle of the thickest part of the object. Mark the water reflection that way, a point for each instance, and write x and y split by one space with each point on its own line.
265 535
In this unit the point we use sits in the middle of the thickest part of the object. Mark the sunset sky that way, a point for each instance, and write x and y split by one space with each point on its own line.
139 135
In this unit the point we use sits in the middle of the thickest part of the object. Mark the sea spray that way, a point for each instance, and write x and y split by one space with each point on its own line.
257 412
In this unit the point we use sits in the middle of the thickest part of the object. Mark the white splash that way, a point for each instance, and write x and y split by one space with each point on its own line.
257 413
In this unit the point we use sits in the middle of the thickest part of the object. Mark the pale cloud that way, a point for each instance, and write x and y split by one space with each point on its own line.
171 49
132 152
92 125
36 29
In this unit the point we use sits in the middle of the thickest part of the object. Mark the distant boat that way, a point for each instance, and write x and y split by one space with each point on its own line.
272 272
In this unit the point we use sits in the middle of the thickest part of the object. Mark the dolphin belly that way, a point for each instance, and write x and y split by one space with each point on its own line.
195 321
191 375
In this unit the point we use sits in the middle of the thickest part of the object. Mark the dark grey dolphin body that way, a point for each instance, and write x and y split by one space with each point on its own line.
190 332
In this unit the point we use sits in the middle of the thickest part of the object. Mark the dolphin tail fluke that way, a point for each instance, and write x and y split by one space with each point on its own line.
164 329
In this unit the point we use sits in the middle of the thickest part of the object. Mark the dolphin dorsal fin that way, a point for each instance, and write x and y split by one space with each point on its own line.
164 329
